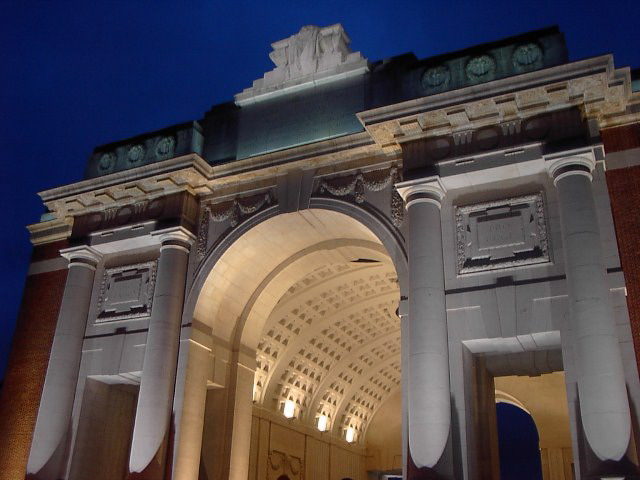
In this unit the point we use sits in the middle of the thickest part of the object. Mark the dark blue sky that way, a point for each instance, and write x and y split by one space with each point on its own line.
78 74
518 444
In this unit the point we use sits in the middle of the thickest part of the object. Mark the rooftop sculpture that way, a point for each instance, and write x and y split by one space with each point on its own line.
311 56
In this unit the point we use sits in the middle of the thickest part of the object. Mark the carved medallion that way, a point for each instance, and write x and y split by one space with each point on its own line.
135 154
107 162
481 68
487 138
537 128
438 148
527 57
502 234
165 148
436 77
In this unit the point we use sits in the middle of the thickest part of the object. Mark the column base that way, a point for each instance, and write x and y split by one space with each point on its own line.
424 473
159 468
610 470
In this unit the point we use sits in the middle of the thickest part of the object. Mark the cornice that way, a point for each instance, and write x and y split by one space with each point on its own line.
178 164
593 85
193 174
50 231
82 254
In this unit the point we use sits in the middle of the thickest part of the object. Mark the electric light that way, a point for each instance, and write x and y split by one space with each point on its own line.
289 409
350 435
323 421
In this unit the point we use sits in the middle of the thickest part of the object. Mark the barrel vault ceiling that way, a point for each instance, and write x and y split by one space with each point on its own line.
318 294
332 345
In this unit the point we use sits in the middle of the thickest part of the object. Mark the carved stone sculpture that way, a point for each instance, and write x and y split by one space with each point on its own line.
302 59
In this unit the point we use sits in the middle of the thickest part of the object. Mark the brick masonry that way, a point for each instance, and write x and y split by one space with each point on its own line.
27 366
621 138
624 190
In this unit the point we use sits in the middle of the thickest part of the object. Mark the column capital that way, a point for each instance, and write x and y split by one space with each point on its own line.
176 237
429 190
83 256
581 163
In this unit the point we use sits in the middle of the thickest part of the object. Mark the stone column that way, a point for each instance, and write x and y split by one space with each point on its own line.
155 400
50 437
194 369
604 407
429 401
245 370
404 354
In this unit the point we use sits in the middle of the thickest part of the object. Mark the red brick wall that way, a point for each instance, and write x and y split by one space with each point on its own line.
27 366
624 190
621 138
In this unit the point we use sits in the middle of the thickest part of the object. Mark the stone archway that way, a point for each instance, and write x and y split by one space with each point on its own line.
549 410
518 443
348 268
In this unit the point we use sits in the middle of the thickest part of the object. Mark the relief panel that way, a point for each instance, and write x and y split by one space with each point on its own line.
284 465
126 292
502 234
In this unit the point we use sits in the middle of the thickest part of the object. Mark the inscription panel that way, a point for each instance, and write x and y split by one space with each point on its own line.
499 231
501 234
126 292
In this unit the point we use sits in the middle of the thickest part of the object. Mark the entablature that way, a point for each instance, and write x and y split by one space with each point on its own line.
594 86
130 193
504 122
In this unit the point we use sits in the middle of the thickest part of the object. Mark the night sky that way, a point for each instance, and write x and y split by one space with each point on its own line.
79 74
518 444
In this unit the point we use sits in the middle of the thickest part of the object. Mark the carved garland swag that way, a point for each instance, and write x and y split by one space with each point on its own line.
233 210
358 184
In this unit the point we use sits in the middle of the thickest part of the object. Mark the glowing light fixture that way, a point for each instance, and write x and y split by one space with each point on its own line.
323 422
350 435
289 409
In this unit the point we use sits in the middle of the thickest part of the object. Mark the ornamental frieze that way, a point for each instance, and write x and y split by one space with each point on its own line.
552 128
597 95
146 149
178 207
356 185
233 210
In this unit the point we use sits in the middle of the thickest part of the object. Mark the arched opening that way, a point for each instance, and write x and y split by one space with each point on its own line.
518 444
534 439
301 311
